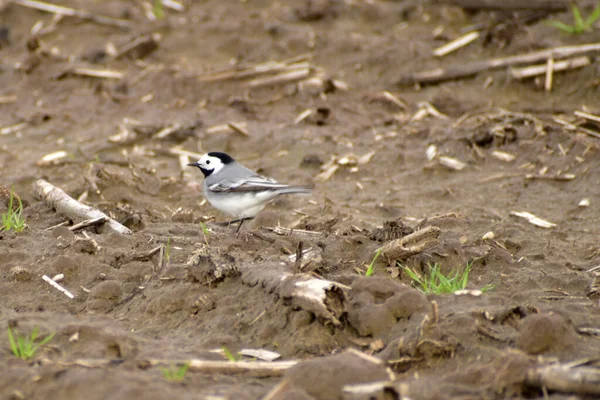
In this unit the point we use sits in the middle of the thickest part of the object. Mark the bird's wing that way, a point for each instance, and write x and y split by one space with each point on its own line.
254 183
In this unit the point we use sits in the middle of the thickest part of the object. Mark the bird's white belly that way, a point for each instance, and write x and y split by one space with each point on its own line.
245 205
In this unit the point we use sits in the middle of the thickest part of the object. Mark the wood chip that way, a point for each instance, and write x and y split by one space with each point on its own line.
584 203
52 158
260 354
503 156
13 128
431 152
489 235
452 163
8 99
532 219
468 292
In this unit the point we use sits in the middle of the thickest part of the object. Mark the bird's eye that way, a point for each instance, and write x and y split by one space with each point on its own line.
208 161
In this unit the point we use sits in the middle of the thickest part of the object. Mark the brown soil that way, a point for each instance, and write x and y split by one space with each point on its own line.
129 308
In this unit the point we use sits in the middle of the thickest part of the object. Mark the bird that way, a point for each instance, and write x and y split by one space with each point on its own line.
236 190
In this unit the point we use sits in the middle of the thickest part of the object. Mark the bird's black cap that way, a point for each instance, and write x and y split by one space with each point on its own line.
225 158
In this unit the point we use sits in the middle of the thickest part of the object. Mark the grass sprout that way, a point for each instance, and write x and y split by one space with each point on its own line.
580 25
25 347
13 219
205 232
371 267
437 282
157 9
230 356
175 373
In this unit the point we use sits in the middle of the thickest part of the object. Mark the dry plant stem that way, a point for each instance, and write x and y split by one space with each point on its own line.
87 223
469 69
259 369
71 12
412 244
545 5
456 44
97 73
588 116
270 67
279 79
71 208
58 287
576 128
550 67
581 380
550 74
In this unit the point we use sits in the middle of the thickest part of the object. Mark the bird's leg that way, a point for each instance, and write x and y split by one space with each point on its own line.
228 223
241 222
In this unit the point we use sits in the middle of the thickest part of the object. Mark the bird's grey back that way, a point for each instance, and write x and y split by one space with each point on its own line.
232 173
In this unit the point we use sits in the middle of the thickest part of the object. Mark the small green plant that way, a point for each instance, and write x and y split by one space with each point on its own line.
205 232
25 347
175 373
13 219
157 9
230 356
580 25
371 267
437 282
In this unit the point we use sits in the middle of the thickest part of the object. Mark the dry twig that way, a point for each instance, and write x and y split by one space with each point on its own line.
65 204
71 12
464 70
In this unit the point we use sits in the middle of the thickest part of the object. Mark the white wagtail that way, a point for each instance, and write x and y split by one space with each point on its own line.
236 190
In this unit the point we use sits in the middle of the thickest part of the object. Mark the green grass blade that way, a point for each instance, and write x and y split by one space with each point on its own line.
562 26
13 344
589 21
577 16
371 267
182 371
23 345
157 9
229 354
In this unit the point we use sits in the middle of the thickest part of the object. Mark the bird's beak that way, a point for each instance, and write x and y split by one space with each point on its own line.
194 164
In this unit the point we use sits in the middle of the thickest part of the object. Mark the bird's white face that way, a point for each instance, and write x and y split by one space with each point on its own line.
210 164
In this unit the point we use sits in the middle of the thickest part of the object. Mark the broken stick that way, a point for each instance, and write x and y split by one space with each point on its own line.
72 12
87 223
65 204
412 244
582 380
260 369
323 298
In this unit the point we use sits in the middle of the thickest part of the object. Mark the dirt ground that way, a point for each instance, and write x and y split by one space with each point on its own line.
202 291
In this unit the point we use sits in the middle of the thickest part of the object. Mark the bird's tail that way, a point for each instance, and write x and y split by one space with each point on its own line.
306 189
